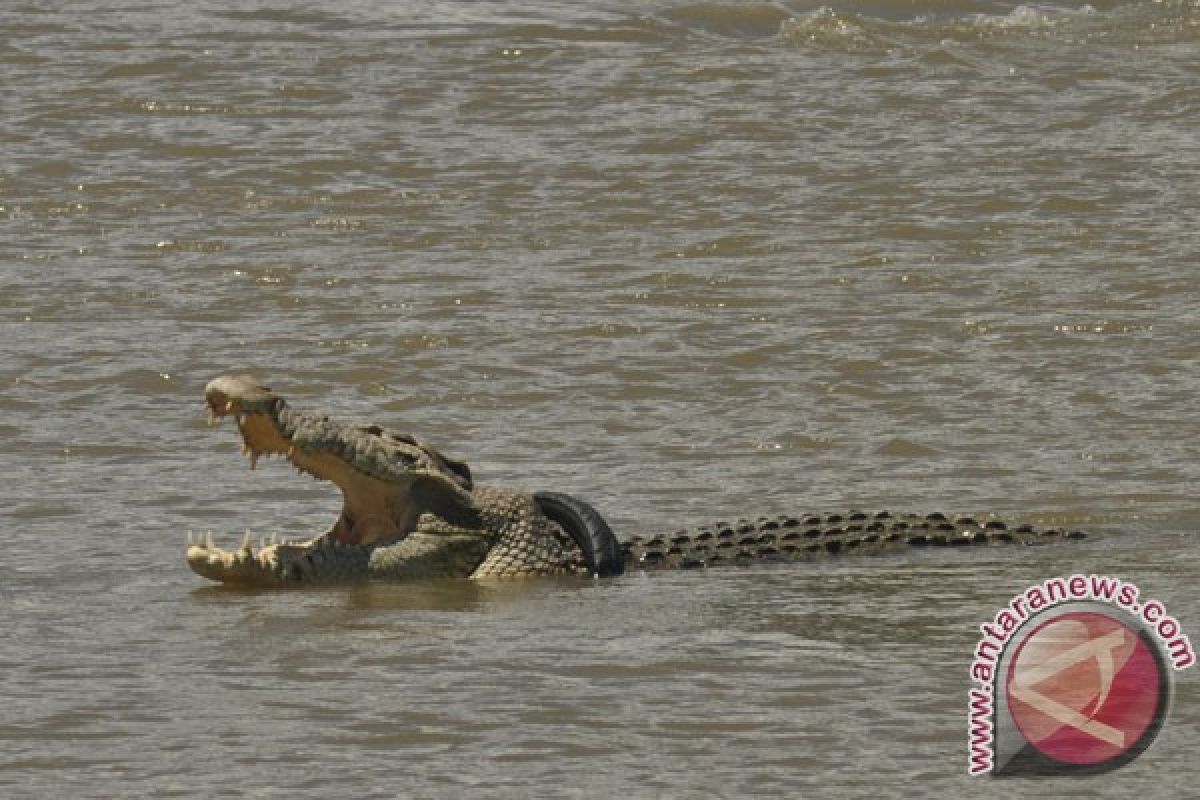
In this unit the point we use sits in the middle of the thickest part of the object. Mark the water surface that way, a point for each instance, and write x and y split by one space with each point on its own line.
689 261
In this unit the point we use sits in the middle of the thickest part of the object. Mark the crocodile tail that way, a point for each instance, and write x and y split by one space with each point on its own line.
812 537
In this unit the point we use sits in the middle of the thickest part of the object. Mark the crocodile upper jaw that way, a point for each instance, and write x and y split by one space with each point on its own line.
384 476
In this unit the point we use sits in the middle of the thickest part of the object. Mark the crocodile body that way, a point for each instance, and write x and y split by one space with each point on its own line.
410 512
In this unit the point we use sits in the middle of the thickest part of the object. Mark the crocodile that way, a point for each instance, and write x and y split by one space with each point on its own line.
410 512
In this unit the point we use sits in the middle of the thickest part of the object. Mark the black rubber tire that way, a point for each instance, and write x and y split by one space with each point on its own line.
584 524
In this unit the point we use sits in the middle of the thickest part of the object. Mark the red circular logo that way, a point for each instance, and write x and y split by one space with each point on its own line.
1084 688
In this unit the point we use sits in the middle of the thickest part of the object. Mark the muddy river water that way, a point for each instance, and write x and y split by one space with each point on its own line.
689 261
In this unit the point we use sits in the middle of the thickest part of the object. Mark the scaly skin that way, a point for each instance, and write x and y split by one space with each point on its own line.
812 537
411 513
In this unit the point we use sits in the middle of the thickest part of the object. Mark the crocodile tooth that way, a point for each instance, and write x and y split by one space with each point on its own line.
208 541
287 421
245 541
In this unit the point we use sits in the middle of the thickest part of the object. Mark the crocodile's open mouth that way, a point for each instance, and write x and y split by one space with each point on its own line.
388 479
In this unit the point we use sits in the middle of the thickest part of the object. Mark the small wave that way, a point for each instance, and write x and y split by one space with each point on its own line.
1113 23
862 26
861 30
827 28
1027 18
858 24
842 28
742 21
1024 16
